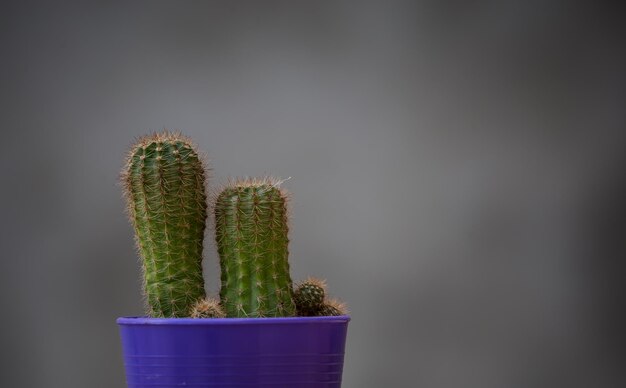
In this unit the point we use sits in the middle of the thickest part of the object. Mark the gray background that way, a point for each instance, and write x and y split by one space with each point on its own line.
458 175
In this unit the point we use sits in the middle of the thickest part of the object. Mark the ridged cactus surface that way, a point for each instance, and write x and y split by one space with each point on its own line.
251 234
165 188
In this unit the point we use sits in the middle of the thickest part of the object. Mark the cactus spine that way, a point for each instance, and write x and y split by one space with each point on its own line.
251 235
164 181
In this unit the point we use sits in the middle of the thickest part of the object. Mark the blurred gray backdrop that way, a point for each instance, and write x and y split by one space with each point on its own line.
457 169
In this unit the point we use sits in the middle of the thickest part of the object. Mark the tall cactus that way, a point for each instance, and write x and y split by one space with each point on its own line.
251 234
164 182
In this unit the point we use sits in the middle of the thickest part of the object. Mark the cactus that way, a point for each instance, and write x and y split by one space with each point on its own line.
332 307
309 296
311 300
207 308
164 182
251 235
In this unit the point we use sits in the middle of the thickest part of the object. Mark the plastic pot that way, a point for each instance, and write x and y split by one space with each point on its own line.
234 352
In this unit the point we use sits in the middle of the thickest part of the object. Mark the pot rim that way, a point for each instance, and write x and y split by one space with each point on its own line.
229 321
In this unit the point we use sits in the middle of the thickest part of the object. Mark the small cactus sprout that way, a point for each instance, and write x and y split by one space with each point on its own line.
309 296
207 308
251 235
332 307
164 181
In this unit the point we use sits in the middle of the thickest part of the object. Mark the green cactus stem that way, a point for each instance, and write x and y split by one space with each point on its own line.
251 235
207 308
164 182
309 296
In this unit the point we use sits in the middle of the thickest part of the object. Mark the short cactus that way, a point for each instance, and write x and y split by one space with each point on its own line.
332 307
251 235
164 182
309 296
207 308
311 300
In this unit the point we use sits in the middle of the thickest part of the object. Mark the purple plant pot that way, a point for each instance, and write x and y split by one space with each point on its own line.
234 352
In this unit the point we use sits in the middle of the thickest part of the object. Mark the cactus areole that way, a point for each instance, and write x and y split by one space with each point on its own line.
164 182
